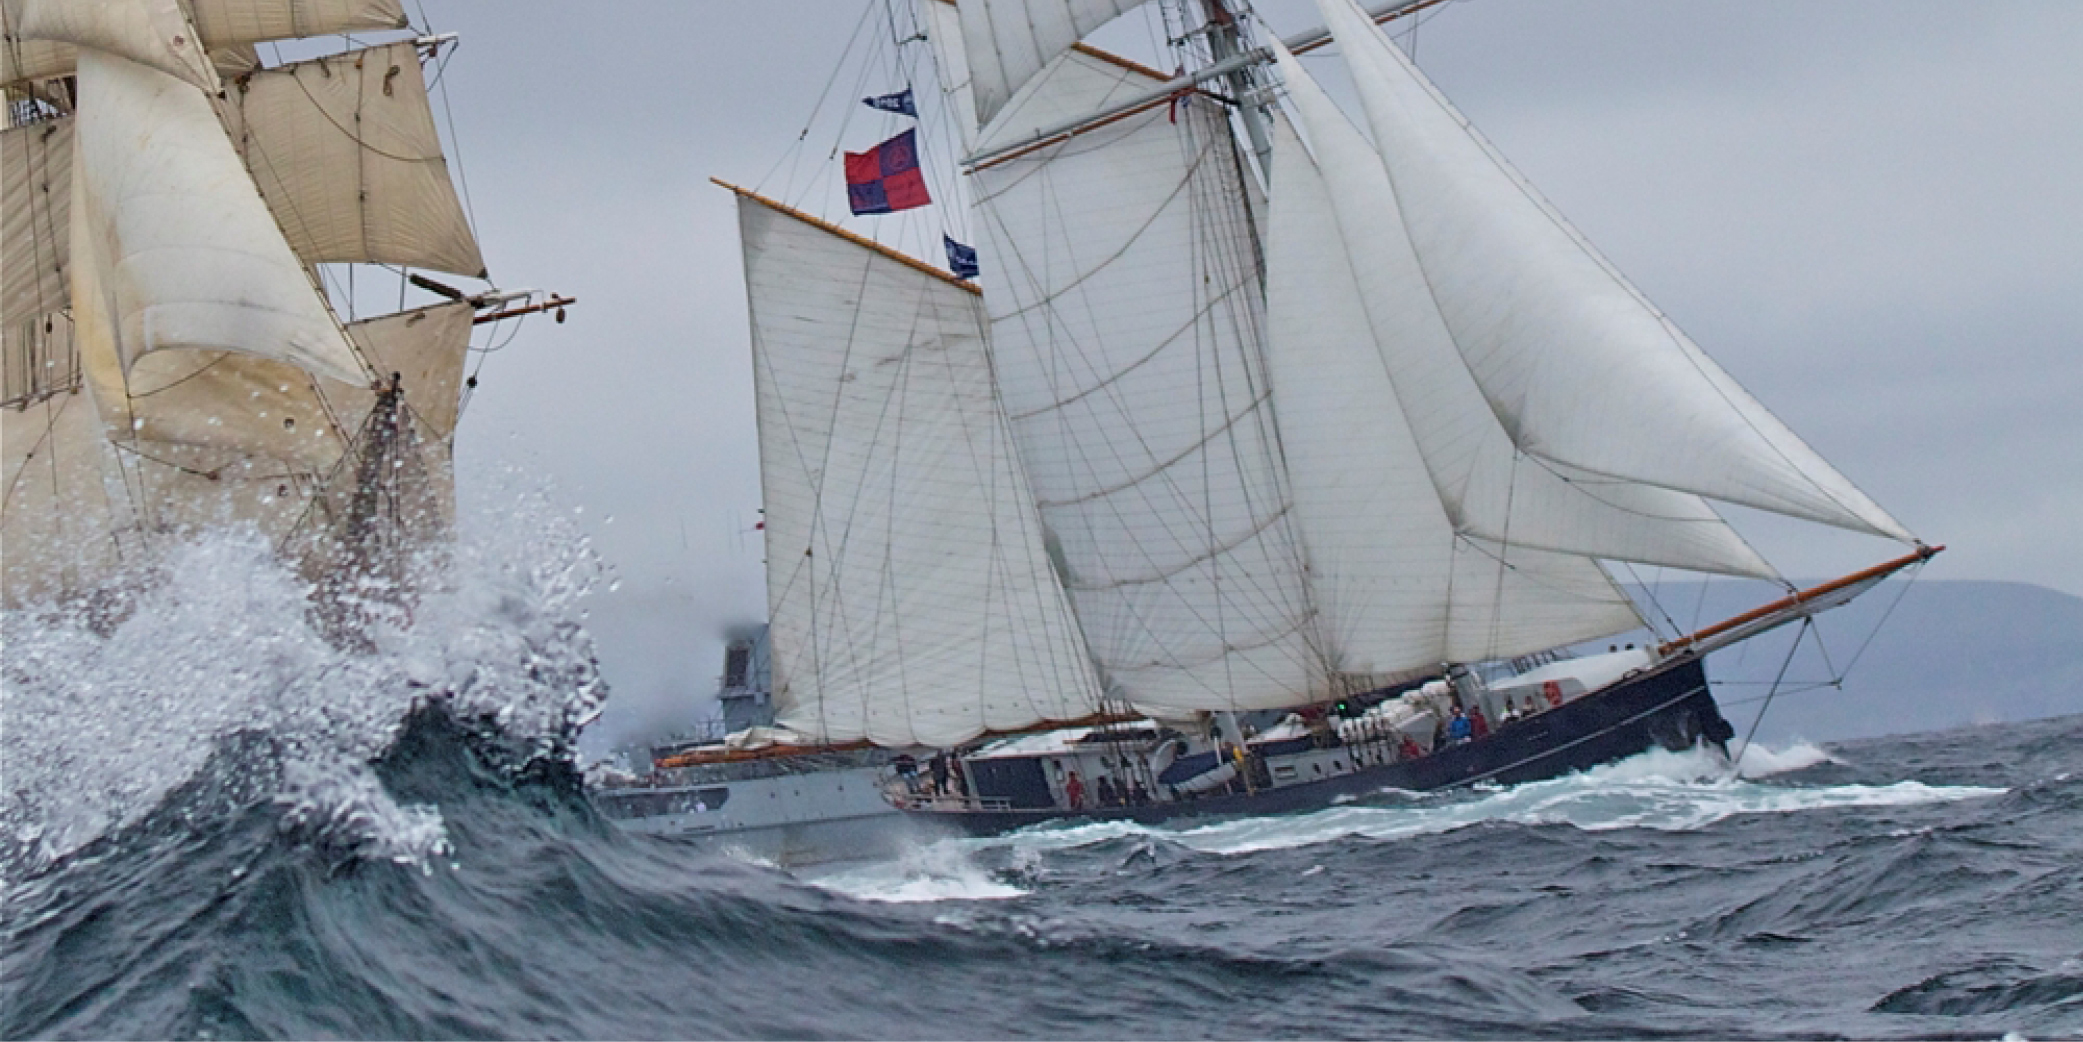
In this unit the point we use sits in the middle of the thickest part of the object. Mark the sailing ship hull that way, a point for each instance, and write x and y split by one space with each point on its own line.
1669 708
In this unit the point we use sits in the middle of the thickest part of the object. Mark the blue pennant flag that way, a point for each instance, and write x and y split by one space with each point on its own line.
899 103
961 259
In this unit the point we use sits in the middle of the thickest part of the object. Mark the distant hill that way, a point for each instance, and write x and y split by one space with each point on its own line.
1952 652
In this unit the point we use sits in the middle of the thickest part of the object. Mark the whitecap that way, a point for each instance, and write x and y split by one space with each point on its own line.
941 871
1660 790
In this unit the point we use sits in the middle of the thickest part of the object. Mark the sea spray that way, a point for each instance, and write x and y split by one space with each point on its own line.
101 723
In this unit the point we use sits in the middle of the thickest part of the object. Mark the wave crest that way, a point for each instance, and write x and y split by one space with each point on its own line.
103 724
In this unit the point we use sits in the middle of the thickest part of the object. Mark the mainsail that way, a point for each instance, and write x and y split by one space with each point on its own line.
171 360
910 595
1126 329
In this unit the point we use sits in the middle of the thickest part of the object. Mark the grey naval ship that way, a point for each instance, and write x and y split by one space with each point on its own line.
724 786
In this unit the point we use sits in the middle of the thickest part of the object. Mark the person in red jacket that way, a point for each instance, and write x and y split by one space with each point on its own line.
1074 791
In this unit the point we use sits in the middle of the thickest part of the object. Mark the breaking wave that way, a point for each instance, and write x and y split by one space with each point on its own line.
219 667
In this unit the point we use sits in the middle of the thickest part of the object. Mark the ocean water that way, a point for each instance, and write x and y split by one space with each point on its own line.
214 825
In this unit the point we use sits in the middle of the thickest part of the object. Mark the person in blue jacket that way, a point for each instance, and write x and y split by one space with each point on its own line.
1459 729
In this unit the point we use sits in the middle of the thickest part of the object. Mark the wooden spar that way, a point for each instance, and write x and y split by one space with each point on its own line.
553 302
1170 88
905 259
1108 120
1922 553
1083 128
1384 18
706 755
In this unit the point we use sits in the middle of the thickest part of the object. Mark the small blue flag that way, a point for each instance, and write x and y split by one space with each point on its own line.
961 259
899 103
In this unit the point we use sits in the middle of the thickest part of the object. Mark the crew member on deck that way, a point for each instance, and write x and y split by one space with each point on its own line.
1074 791
1409 749
1459 729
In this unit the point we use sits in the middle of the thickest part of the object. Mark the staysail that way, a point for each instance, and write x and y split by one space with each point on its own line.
1400 591
910 596
1577 366
1489 488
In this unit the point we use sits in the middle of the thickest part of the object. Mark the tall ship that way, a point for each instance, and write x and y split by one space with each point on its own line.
1258 454
184 348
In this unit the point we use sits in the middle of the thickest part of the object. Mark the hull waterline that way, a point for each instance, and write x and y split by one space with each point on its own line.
1669 708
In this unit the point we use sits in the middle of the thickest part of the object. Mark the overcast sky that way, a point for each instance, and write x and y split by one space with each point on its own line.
1871 213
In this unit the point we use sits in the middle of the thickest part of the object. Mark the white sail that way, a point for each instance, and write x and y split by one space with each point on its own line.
345 152
61 503
226 22
1575 363
1489 488
1125 319
227 29
153 33
1398 593
30 60
1010 41
426 348
910 597
944 33
35 219
190 257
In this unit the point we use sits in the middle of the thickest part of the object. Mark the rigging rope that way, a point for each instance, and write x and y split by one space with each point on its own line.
1736 763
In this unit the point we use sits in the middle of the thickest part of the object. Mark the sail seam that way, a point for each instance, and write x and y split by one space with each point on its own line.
1102 493
1184 566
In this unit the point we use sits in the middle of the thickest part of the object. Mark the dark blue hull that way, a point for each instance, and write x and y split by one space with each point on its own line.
1669 708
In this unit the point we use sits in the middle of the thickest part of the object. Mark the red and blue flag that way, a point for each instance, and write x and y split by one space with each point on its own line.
886 178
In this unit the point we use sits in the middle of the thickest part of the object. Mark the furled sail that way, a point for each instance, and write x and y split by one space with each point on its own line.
1008 42
190 257
1125 331
910 597
153 33
1488 487
1575 363
345 152
35 219
1399 593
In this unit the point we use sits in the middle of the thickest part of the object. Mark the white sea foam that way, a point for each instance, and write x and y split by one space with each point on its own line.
935 872
1759 761
1655 790
98 729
